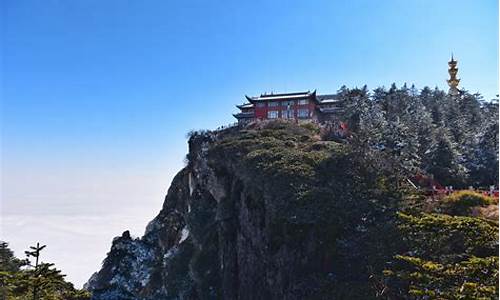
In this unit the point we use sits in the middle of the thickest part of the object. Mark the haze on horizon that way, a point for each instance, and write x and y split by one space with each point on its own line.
97 97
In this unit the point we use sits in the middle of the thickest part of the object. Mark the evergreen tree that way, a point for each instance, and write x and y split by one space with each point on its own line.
452 138
23 280
445 161
484 164
8 262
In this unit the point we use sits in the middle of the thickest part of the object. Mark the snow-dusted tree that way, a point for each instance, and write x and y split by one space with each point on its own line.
483 164
446 163
451 137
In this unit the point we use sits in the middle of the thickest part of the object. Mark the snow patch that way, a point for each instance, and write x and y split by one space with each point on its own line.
190 184
184 234
170 253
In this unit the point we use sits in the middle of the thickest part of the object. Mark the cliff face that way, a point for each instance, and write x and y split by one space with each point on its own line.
260 213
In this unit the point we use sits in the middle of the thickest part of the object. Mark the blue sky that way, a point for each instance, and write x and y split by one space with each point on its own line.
97 96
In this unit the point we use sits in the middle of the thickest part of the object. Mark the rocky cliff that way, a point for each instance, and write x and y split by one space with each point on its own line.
269 212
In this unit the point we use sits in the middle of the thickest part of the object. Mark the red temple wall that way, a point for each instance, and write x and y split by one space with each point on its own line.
261 112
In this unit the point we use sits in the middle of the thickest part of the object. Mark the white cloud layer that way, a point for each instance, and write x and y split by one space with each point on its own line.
77 244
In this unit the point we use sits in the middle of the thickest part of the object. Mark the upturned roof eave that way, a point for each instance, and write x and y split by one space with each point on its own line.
274 97
243 115
245 105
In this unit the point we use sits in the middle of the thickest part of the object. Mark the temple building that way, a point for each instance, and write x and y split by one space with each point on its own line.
453 81
298 107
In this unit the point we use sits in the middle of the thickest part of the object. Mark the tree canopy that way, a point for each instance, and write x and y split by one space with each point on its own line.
23 280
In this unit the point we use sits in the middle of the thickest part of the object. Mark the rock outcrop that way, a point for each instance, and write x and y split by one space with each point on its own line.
261 213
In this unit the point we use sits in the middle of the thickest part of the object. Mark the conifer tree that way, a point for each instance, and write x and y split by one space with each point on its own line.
24 280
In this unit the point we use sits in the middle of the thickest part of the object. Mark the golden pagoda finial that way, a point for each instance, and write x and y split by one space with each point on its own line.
453 81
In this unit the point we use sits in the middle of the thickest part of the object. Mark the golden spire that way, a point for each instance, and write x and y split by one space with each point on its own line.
453 81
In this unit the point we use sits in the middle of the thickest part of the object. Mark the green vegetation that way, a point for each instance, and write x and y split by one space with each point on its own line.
350 195
447 257
322 192
473 278
460 203
21 280
441 237
453 138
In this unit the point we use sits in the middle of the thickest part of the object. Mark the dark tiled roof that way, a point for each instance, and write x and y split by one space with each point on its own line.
244 115
327 97
245 105
287 96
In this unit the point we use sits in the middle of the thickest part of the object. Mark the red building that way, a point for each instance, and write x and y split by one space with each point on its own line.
302 106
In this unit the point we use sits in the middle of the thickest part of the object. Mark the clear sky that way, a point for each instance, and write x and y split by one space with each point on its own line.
97 96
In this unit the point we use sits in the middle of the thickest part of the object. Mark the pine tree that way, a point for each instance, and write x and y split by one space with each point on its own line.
484 164
21 279
8 262
445 160
35 252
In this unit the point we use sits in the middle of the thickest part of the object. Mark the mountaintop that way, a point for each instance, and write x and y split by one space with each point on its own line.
278 210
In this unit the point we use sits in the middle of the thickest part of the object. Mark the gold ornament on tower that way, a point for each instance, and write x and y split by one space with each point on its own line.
453 81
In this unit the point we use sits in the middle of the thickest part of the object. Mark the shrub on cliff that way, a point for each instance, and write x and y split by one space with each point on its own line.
471 278
460 203
324 193
447 257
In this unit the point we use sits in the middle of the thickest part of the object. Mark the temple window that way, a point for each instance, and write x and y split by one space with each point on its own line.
303 113
272 114
287 114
